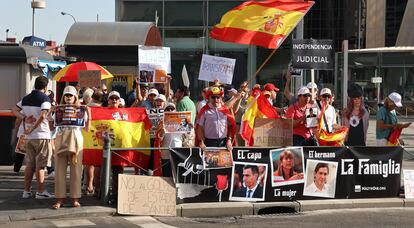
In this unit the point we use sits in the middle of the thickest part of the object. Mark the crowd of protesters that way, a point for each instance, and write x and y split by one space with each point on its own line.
216 119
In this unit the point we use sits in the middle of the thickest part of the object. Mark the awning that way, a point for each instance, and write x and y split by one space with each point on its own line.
49 67
113 34
21 53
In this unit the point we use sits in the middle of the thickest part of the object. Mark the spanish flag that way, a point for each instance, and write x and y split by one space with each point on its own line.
257 107
264 23
126 127
326 138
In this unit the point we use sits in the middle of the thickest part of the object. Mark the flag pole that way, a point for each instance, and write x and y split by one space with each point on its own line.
263 64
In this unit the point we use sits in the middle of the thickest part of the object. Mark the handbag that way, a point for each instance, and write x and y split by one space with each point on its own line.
21 142
67 144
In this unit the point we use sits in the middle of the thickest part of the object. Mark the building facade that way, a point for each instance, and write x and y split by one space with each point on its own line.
185 27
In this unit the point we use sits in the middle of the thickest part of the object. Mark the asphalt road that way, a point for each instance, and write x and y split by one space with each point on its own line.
371 217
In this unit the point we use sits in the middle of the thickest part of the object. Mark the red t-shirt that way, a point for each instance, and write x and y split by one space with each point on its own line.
295 112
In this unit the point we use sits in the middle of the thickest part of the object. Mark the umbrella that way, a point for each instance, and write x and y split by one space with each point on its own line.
70 72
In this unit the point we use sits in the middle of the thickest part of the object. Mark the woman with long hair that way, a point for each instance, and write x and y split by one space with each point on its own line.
68 150
356 117
285 168
387 119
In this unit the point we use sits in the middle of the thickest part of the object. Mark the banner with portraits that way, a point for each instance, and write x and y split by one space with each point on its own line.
286 174
177 122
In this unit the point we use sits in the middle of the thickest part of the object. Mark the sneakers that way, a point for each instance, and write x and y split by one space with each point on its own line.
44 195
26 195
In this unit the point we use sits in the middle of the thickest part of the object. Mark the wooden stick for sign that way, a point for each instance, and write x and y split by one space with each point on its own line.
261 66
313 81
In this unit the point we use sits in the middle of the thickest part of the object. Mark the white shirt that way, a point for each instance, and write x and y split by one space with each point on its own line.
330 116
201 104
314 191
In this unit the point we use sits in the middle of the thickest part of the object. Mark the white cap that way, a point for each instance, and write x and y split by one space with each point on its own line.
396 98
114 93
303 90
232 90
311 85
170 105
325 91
70 90
161 97
153 91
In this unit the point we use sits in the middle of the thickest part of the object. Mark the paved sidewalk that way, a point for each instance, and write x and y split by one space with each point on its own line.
14 208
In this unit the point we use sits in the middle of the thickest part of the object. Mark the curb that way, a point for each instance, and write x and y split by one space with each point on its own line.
37 214
210 210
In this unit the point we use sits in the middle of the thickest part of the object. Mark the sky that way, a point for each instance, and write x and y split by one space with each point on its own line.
16 15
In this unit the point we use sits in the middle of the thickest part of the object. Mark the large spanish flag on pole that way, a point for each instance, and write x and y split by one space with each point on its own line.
126 127
264 23
257 107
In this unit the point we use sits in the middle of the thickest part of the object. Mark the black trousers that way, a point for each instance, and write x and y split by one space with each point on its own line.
215 142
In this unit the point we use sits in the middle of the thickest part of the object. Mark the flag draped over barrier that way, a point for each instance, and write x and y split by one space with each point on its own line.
126 128
336 138
257 107
265 23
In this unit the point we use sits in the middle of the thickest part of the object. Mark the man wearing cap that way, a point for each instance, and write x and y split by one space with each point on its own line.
184 103
32 110
216 126
272 89
387 119
297 112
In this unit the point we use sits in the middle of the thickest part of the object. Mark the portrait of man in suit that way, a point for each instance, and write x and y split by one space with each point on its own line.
251 187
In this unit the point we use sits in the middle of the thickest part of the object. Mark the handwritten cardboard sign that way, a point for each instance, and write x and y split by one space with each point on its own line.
177 122
408 183
217 68
146 195
89 78
153 64
273 132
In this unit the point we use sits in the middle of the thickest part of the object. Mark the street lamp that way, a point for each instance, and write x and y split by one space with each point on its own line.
36 4
64 13
7 33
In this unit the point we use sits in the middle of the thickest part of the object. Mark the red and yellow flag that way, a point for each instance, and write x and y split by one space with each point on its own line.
265 23
257 107
126 127
336 138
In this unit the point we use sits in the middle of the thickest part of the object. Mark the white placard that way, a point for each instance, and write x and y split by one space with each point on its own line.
156 56
408 183
217 68
376 80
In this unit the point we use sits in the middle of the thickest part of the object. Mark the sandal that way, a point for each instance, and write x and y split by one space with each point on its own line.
57 205
76 204
90 192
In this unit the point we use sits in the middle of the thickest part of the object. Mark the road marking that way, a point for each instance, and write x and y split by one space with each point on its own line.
147 222
70 223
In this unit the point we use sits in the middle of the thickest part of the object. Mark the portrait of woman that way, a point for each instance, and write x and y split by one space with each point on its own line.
287 169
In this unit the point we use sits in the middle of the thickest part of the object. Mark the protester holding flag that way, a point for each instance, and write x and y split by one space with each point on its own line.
356 117
216 126
68 150
258 106
297 112
387 120
329 120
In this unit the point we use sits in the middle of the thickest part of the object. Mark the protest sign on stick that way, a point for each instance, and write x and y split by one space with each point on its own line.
153 64
89 78
217 68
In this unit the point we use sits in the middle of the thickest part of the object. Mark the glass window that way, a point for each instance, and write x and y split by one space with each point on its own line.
184 13
141 11
218 9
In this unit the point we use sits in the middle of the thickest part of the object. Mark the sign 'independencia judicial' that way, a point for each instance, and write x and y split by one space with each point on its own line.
313 54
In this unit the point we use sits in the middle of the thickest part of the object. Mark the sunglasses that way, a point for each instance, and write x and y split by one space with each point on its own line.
326 96
215 97
169 109
68 95
114 98
306 95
